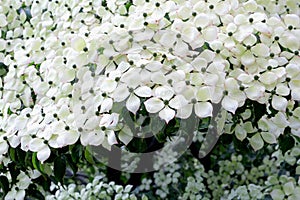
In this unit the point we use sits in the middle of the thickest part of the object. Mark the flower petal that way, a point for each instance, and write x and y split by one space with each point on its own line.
36 144
210 33
43 154
96 138
133 103
247 58
167 114
143 91
269 137
106 105
279 103
204 94
92 123
185 112
78 43
277 194
154 66
230 104
260 50
120 93
240 132
3 147
111 137
20 195
256 142
154 105
203 109
164 92
178 102
108 85
67 138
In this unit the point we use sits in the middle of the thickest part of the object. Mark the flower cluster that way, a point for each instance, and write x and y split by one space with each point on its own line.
68 63
97 189
65 66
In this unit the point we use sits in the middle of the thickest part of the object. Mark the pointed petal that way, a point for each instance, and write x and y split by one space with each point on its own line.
268 78
261 50
185 112
240 132
178 102
36 144
143 91
111 137
204 94
247 58
269 137
106 105
78 43
43 154
67 138
96 138
154 105
92 123
279 103
230 104
277 194
11 194
108 85
20 195
120 93
164 92
125 135
133 103
256 142
3 147
167 114
210 33
203 109
154 66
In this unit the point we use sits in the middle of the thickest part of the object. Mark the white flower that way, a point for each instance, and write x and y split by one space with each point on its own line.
39 145
234 96
164 103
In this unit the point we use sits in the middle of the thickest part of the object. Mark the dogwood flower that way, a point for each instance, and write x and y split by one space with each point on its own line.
40 146
165 102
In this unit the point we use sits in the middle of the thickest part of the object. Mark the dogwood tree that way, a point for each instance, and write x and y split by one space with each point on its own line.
131 76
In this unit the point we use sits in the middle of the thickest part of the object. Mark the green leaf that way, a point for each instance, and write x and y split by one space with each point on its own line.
286 142
36 195
76 153
128 4
72 164
14 172
3 69
4 184
161 137
59 169
100 50
35 161
12 154
43 168
88 155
